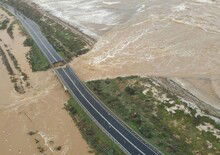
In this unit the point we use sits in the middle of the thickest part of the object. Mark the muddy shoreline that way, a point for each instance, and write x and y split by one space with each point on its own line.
185 94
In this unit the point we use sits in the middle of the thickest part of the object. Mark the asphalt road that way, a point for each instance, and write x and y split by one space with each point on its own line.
104 119
128 141
34 31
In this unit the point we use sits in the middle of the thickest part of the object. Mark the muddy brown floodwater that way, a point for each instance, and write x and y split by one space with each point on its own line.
176 39
33 121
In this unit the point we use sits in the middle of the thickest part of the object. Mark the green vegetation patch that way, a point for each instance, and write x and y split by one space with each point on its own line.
66 43
4 24
158 116
5 62
97 139
36 58
10 29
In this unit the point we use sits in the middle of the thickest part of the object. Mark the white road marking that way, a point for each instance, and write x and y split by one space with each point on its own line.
110 110
100 113
82 94
41 41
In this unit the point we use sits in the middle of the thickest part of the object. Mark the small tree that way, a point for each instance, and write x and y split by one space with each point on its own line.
28 42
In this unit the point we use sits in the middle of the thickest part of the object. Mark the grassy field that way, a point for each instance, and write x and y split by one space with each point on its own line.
67 43
98 141
158 116
36 58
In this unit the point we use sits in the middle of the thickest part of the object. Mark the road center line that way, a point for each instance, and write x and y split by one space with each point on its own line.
100 114
41 41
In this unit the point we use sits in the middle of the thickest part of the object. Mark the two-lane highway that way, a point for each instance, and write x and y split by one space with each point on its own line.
102 116
34 31
130 143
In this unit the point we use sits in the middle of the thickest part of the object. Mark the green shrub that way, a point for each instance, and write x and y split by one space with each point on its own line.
36 58
97 140
4 24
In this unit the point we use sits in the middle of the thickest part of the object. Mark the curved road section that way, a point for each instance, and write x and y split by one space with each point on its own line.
129 142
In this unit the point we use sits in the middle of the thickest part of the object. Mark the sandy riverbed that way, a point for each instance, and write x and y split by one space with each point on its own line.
39 109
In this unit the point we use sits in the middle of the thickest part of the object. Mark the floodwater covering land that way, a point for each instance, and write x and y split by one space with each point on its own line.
174 39
32 114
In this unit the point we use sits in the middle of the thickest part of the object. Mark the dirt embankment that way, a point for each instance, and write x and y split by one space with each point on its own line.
31 104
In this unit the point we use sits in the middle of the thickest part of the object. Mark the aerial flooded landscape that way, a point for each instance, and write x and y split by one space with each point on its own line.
149 38
109 77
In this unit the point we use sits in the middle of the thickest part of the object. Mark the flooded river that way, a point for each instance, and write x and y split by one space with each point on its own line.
176 39
34 120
